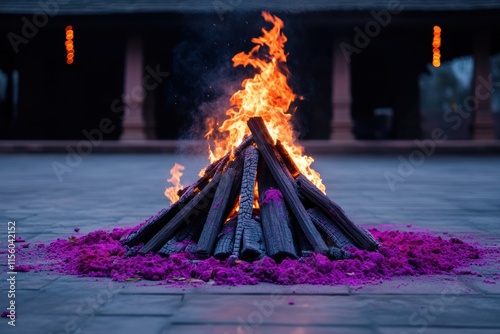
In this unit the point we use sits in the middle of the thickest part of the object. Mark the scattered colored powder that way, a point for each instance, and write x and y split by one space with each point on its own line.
77 229
19 239
22 268
100 254
272 195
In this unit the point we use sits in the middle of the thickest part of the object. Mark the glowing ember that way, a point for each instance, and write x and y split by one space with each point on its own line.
267 95
175 180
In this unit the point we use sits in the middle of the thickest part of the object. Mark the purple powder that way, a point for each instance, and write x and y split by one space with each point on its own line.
19 239
77 229
100 254
23 268
272 195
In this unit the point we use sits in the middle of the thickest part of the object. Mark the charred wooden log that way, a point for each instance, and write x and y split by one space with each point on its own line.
217 166
185 237
225 244
335 253
304 247
154 224
224 200
276 223
358 237
247 195
252 246
239 150
334 236
287 159
283 177
199 205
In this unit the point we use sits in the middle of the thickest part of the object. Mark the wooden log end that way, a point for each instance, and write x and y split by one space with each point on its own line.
225 244
335 253
253 246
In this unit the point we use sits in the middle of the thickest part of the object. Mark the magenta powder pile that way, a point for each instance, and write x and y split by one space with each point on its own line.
100 254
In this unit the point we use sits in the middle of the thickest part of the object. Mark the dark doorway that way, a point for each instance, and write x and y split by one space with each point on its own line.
59 101
385 79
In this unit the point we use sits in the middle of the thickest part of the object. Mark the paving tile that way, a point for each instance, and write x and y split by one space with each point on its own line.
134 305
28 323
439 310
436 284
443 310
126 325
145 287
35 281
271 309
264 329
488 284
66 296
419 329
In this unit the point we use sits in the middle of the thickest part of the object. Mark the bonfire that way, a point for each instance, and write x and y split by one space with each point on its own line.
259 196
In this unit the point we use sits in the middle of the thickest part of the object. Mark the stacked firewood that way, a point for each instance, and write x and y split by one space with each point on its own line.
218 216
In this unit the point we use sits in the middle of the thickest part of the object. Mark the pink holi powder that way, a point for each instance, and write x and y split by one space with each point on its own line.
272 195
23 268
100 254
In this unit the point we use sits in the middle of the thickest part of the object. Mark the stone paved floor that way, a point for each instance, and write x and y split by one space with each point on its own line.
460 195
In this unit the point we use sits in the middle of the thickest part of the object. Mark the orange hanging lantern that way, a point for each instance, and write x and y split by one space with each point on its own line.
70 49
436 44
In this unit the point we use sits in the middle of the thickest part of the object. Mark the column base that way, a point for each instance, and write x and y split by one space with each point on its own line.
484 126
342 131
133 132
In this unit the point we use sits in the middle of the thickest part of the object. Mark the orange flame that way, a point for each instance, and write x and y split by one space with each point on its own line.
175 180
267 95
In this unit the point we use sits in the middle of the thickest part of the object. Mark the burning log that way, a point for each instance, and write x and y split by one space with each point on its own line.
224 200
287 160
358 237
216 166
225 244
283 178
247 196
275 219
199 205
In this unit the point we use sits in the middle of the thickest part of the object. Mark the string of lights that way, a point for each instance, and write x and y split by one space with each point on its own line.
436 43
70 49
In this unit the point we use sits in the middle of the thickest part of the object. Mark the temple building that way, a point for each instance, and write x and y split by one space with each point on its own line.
154 69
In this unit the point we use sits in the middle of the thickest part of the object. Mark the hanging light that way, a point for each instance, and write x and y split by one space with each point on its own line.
436 44
70 48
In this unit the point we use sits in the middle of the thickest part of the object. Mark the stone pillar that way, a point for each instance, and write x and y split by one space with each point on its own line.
484 124
341 126
133 122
